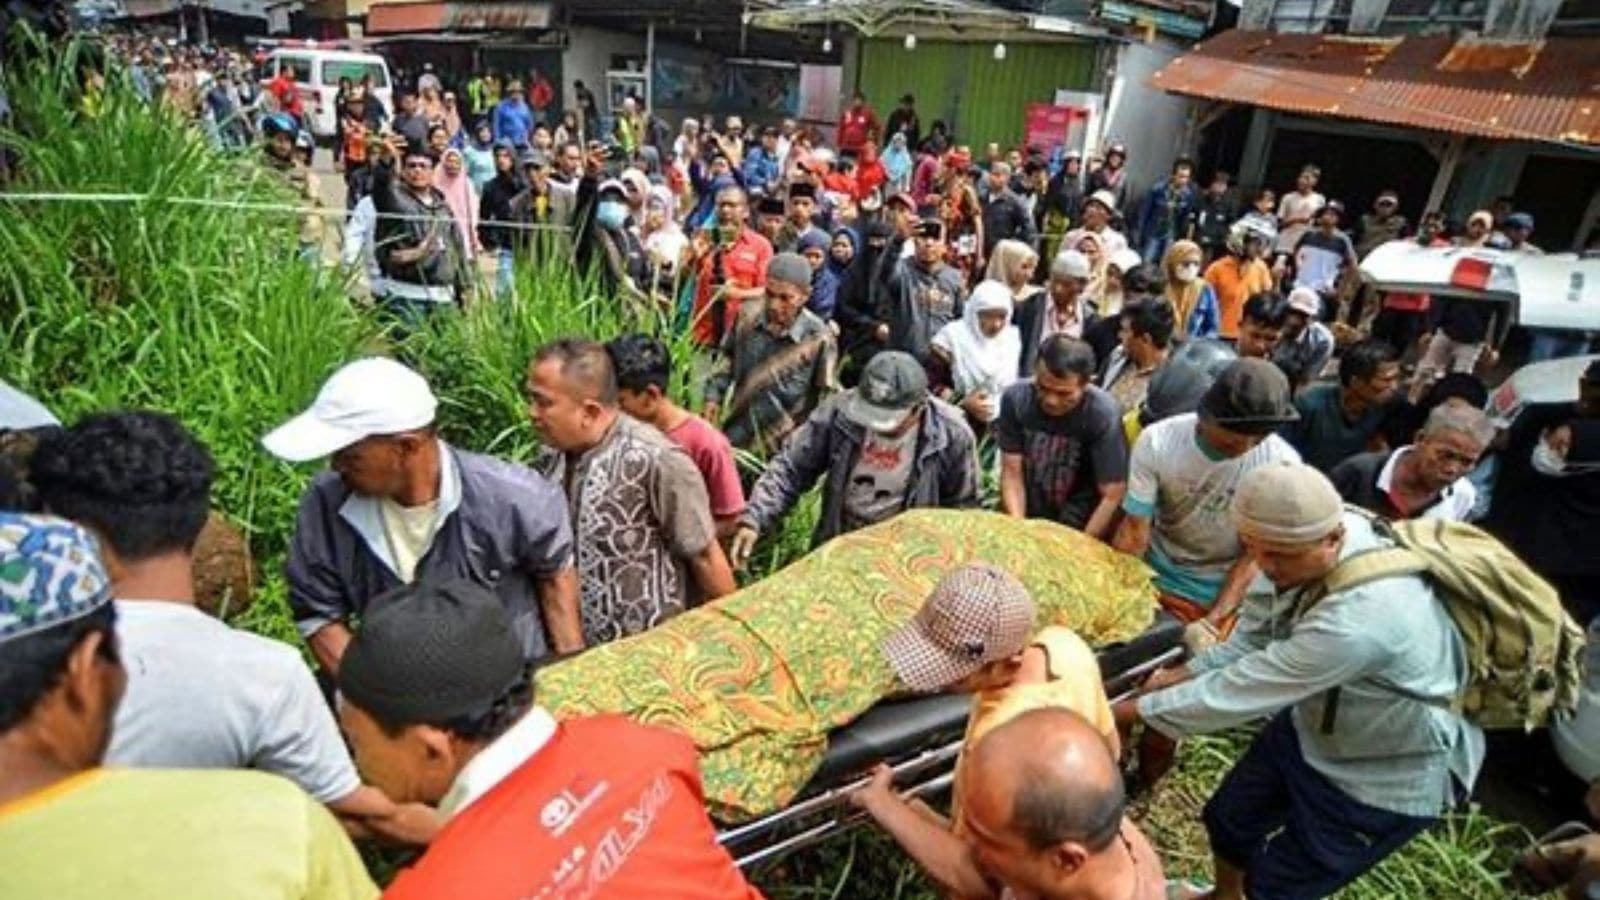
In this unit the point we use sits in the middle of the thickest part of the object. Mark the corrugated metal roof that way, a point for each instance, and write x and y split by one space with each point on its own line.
500 15
1545 91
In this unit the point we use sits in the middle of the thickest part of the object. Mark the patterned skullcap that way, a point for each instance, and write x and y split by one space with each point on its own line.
976 615
50 573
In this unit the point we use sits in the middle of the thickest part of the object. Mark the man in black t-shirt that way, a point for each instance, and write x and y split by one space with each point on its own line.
1064 456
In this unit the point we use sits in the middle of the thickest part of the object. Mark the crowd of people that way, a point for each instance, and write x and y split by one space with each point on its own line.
890 321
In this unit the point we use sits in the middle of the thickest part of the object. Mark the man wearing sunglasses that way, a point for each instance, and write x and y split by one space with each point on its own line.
415 244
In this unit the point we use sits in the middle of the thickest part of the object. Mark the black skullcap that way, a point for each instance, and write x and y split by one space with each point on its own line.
802 189
430 653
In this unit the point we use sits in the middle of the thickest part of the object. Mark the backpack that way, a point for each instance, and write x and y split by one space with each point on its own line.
1523 650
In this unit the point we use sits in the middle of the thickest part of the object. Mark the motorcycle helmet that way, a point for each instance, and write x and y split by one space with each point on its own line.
1251 226
1177 387
278 123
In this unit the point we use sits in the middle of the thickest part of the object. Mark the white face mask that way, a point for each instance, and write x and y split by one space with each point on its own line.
1546 461
1188 271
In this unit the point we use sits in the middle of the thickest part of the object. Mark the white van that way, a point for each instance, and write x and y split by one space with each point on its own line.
317 72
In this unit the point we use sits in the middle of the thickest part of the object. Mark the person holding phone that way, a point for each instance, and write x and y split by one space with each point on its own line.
421 262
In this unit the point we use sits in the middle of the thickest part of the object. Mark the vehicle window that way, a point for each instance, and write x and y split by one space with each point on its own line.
302 66
355 70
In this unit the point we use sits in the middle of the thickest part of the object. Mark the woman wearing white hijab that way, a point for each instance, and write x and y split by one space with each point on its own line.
981 352
1012 263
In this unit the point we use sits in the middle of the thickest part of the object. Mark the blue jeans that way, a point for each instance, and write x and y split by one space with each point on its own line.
504 273
1556 343
1155 247
1294 834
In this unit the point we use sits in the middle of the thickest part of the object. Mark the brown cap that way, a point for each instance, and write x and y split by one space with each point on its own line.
976 615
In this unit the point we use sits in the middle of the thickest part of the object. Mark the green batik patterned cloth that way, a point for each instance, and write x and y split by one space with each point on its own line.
759 678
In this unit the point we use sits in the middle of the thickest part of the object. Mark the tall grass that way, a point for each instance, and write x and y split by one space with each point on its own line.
201 311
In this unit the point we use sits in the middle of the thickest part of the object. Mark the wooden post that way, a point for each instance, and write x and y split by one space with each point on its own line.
1448 163
650 66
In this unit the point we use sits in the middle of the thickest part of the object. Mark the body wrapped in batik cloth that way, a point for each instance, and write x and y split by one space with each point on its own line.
759 678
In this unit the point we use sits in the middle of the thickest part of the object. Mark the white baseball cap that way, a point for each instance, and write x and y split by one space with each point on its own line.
1305 300
368 397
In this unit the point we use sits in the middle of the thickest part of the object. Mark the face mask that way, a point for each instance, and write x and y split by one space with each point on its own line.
1546 461
611 214
1188 271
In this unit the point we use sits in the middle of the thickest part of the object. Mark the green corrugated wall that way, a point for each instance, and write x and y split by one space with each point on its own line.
980 97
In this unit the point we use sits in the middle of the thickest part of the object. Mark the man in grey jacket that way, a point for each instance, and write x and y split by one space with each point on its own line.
399 506
883 447
1362 750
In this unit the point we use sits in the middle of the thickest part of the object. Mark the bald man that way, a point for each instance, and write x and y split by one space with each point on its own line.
646 541
1044 814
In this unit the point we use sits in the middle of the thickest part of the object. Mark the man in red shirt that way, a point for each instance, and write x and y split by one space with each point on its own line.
731 262
438 704
644 368
858 125
283 90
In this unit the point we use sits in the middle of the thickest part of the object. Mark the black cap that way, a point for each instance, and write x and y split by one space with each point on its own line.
769 205
802 189
430 653
929 227
1250 396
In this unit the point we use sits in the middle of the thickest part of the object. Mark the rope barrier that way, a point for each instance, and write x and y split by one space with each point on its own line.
287 209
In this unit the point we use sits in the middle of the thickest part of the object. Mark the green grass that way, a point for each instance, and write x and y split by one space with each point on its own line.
206 313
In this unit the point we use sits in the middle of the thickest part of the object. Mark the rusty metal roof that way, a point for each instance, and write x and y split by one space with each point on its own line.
497 15
1545 91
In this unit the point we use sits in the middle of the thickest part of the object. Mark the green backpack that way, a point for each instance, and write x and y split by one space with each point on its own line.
1523 650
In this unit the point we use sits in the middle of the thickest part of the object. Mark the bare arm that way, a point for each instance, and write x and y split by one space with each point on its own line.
1231 594
328 644
943 856
1013 499
1133 535
367 812
1105 513
710 570
558 597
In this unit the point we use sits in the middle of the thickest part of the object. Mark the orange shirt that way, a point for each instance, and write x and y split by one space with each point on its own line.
355 142
1234 283
606 808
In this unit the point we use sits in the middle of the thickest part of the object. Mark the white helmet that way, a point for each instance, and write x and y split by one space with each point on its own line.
1251 226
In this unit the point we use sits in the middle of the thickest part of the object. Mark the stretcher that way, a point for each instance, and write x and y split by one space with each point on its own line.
920 738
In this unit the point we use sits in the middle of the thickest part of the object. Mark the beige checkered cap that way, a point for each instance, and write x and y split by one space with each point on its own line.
976 614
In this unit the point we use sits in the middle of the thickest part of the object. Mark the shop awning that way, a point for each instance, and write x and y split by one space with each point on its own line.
497 15
1544 91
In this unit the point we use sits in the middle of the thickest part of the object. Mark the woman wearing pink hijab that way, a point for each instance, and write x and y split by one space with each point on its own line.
452 181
